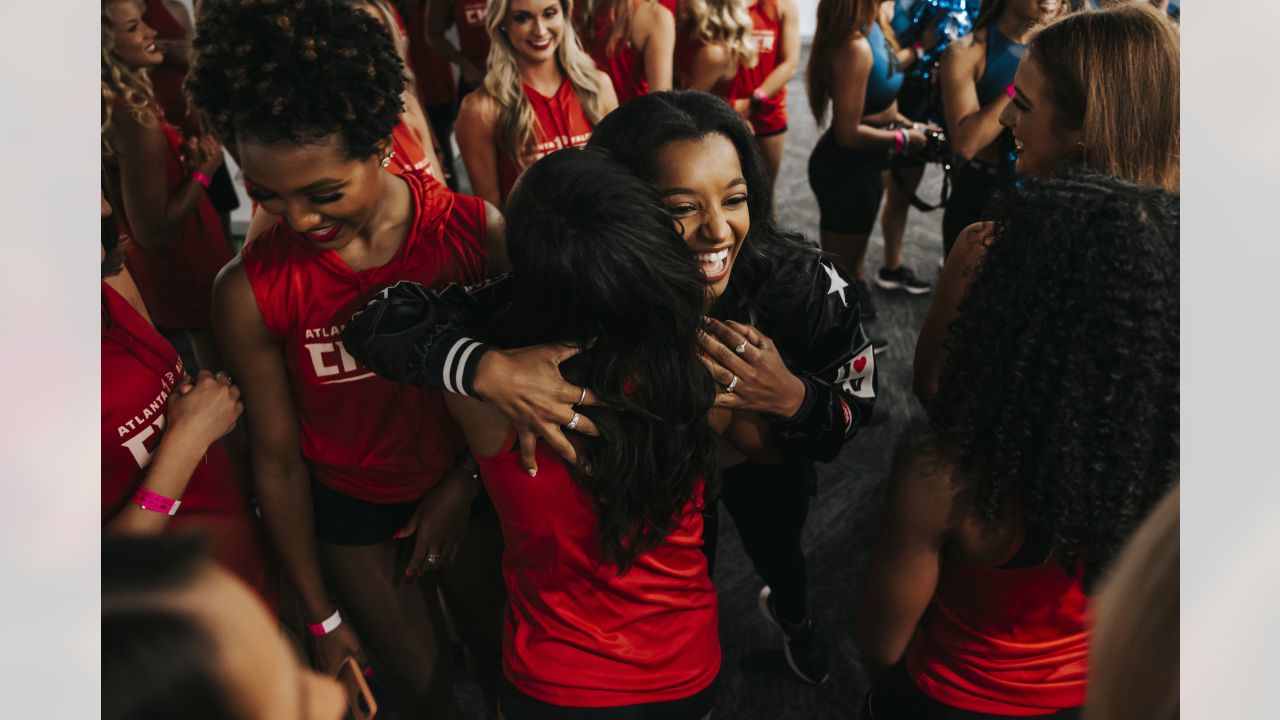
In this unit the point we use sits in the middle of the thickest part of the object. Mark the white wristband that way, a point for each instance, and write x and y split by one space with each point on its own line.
327 626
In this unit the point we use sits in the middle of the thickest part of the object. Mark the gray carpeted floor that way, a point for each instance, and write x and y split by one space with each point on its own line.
755 680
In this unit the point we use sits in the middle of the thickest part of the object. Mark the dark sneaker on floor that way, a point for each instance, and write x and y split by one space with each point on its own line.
804 648
901 278
866 308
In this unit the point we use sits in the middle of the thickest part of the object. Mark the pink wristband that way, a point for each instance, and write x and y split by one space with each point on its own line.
201 178
899 140
1008 89
326 626
155 502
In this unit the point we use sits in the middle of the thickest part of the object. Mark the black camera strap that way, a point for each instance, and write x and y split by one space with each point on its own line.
895 171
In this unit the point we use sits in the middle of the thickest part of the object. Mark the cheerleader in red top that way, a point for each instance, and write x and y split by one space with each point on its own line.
995 529
746 51
542 92
611 611
358 478
175 243
631 40
471 54
163 467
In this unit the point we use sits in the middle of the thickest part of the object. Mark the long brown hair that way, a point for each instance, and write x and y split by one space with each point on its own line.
837 19
620 12
1113 74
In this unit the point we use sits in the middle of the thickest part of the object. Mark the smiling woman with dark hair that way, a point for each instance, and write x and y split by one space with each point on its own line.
1056 431
347 464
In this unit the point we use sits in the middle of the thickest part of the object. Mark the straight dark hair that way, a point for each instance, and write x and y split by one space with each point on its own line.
597 263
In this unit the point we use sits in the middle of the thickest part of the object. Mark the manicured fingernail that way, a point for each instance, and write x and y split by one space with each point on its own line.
533 472
396 534
368 672
706 320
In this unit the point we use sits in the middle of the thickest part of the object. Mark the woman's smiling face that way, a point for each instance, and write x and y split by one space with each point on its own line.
702 183
320 191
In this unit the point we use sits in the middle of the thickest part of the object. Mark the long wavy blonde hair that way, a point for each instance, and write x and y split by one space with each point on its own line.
502 80
723 22
123 87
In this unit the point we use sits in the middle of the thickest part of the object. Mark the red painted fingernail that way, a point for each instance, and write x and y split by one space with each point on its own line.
397 534
368 672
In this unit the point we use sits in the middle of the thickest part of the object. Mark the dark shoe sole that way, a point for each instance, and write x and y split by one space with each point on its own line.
895 285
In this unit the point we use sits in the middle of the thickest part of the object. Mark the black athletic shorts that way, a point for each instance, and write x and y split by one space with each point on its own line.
849 185
344 520
895 697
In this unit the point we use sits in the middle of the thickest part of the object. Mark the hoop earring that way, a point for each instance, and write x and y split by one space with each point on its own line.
387 159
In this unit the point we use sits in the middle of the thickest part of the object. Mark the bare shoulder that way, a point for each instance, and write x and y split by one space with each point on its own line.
967 50
478 106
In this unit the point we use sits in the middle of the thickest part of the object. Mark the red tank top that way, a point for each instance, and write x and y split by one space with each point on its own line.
624 65
559 122
139 370
766 33
176 278
473 37
578 634
365 436
409 155
432 70
1004 641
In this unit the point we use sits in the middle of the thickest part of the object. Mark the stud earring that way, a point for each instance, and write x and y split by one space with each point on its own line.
387 159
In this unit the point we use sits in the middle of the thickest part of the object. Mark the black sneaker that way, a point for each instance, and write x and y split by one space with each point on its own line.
804 648
866 308
901 278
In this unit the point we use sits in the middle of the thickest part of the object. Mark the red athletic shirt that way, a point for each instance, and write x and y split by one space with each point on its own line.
139 370
578 634
473 37
176 278
364 436
1003 641
409 155
433 72
559 122
767 35
625 66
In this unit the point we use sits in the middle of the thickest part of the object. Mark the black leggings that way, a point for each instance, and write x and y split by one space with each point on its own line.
769 504
515 705
895 697
848 184
971 189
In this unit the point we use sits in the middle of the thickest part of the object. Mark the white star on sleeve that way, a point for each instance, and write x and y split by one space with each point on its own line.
837 283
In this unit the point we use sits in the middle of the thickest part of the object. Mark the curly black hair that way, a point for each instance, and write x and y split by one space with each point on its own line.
296 71
1060 389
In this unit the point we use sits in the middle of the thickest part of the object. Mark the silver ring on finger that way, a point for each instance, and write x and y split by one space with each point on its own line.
573 422
432 560
583 397
741 348
733 383
222 377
